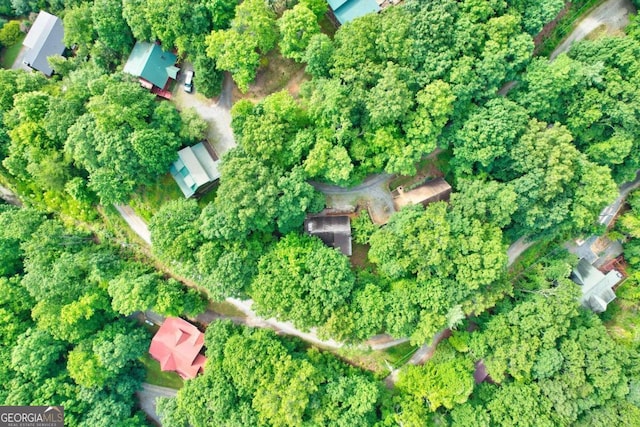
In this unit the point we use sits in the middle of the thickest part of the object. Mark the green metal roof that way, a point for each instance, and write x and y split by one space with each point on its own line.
150 62
348 10
194 168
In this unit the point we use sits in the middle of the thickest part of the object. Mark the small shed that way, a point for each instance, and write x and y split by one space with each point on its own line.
597 287
432 191
45 39
152 65
196 169
177 346
334 231
348 10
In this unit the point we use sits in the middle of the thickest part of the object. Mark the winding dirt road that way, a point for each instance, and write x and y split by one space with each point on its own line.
613 14
136 223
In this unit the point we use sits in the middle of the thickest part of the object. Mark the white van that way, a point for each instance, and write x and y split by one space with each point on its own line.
188 81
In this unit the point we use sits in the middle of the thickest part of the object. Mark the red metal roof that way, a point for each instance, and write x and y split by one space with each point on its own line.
176 346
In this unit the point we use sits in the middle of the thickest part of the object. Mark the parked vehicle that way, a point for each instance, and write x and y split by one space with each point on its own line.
188 82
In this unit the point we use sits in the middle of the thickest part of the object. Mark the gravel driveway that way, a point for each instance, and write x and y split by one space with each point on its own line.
147 399
215 112
373 192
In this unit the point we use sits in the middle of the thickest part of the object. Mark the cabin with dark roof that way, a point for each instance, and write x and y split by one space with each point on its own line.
334 231
45 39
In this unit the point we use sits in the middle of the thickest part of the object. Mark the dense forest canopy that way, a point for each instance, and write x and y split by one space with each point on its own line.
542 159
64 340
538 160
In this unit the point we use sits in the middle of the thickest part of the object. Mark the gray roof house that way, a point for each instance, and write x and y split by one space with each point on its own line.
45 39
334 231
597 287
196 169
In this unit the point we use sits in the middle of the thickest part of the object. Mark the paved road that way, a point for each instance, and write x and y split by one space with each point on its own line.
225 100
136 223
608 213
614 14
516 249
370 181
147 399
384 341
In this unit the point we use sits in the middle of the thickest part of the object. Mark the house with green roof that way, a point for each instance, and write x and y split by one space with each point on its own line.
348 10
196 169
153 66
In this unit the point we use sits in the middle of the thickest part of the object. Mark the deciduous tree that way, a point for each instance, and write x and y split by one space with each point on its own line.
302 280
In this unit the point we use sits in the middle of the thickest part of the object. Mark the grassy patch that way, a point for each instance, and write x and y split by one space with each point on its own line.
208 198
114 228
226 309
427 168
600 31
157 377
565 25
149 198
622 317
377 361
529 257
369 360
399 355
275 74
9 54
359 257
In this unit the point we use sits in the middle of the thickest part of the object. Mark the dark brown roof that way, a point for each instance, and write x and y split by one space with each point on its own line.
334 231
480 374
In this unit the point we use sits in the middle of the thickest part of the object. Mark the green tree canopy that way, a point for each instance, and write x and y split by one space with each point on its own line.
252 30
302 280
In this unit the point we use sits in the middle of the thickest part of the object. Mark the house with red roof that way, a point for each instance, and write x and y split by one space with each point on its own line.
177 346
